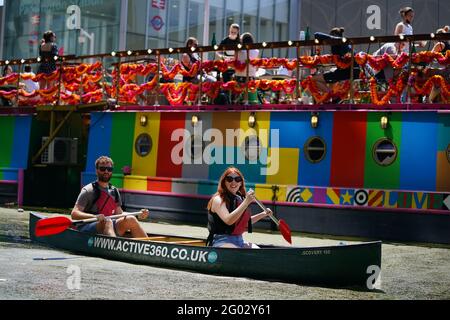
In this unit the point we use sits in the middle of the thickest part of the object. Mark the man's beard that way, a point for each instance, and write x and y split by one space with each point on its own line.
102 178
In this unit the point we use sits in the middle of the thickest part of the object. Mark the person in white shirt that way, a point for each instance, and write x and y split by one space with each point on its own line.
404 27
29 84
241 56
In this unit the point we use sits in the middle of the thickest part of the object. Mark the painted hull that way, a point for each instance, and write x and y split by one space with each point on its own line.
343 265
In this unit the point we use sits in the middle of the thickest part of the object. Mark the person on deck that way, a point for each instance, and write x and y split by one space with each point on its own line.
337 74
228 213
47 51
233 38
405 27
100 199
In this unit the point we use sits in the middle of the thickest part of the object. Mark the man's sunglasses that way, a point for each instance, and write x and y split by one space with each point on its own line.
230 179
103 169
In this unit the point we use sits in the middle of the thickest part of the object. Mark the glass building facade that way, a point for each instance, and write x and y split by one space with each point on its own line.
98 26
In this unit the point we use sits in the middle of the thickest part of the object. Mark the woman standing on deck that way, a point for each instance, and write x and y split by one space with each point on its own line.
228 213
47 51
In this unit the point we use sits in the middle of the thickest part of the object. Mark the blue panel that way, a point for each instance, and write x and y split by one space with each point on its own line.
10 175
87 177
251 171
99 138
418 151
295 130
22 132
206 189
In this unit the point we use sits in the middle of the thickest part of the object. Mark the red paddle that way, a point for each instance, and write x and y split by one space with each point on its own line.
281 224
54 225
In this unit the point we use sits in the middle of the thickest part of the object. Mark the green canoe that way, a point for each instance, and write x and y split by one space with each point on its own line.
337 266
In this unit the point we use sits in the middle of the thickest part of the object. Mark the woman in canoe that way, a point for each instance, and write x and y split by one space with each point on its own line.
228 213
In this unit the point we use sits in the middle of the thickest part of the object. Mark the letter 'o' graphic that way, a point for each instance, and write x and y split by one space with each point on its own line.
361 197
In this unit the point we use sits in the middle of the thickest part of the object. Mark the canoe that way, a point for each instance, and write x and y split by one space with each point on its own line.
344 265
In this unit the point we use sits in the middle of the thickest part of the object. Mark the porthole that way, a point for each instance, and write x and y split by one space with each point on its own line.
384 152
143 144
251 148
315 149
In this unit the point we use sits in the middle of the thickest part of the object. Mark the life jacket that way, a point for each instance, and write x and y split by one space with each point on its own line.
217 226
105 203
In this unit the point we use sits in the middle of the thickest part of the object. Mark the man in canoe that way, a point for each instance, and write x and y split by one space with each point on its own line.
228 213
100 199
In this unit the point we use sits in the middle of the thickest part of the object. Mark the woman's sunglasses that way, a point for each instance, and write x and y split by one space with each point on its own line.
230 179
103 169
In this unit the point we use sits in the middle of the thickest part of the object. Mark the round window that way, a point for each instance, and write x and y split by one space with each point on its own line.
384 152
143 144
315 149
252 148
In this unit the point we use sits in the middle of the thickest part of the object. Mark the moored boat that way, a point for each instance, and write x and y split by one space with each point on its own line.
341 265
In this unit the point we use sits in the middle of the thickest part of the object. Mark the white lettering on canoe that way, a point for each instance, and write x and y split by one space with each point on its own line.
150 249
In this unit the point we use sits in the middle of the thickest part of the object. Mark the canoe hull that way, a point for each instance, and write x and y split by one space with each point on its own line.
343 265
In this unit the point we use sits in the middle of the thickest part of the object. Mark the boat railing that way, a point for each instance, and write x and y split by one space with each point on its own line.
153 78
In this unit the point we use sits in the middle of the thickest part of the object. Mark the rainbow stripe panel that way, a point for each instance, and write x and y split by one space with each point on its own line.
14 145
421 168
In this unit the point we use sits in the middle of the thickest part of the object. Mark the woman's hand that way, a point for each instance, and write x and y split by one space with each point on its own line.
143 215
250 197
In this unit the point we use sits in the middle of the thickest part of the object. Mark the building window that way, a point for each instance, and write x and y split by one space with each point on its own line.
384 152
143 144
252 148
315 149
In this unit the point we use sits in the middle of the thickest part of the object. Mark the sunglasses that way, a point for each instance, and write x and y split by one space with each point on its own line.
103 169
230 179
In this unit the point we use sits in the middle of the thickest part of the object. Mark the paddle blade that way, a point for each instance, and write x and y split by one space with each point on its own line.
50 226
285 231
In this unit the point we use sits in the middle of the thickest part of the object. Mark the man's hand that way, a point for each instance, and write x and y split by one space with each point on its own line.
143 215
268 212
101 218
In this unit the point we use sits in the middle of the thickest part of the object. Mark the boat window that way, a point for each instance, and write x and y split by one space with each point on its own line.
252 147
384 152
315 149
143 144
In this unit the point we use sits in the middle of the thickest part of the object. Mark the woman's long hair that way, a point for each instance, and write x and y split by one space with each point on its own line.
222 189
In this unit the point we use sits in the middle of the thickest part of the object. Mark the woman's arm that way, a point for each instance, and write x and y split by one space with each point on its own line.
185 60
261 215
221 210
438 47
398 29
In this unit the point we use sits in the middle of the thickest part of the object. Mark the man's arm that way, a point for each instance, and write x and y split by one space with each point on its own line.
80 205
78 214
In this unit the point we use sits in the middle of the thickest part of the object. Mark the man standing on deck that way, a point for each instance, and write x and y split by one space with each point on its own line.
100 199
